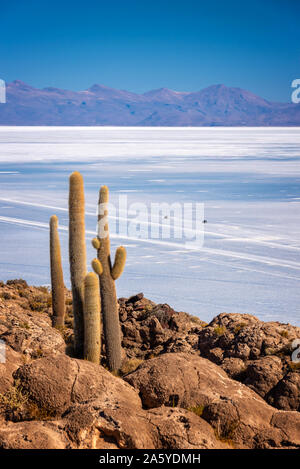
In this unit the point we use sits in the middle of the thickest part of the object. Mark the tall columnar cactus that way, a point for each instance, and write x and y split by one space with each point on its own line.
108 274
77 254
92 321
57 279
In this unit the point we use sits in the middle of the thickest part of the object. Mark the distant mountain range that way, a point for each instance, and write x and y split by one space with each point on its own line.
216 105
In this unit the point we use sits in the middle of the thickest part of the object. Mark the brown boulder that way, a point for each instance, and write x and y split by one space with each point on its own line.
181 429
13 361
53 384
289 425
263 374
102 423
186 380
33 435
234 367
286 394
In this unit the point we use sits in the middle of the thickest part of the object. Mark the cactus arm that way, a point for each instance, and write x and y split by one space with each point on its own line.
119 264
96 243
97 266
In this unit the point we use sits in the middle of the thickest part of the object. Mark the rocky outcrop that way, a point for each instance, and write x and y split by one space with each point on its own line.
246 337
25 323
251 351
150 330
184 384
256 353
237 414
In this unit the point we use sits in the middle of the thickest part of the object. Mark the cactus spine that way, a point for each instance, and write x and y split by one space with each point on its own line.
92 308
57 279
108 290
77 255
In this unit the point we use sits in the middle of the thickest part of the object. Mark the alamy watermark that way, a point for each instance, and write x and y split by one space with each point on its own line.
296 353
2 92
296 93
157 222
2 351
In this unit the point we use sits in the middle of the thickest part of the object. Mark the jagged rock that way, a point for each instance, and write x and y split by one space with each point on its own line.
135 298
234 367
286 394
254 352
150 330
262 375
246 337
215 355
24 326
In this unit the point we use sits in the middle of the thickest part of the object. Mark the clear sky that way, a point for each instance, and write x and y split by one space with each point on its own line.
140 45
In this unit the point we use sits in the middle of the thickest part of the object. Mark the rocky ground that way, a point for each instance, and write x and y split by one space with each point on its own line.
183 383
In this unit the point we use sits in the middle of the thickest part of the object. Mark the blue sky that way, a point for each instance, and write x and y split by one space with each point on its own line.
141 45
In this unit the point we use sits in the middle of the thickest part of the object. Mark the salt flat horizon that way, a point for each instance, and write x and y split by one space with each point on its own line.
247 178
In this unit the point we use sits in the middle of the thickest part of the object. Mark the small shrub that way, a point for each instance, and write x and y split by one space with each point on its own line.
198 410
220 330
239 327
38 353
115 373
34 412
131 365
284 334
173 401
18 407
36 305
226 434
196 320
13 399
24 325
